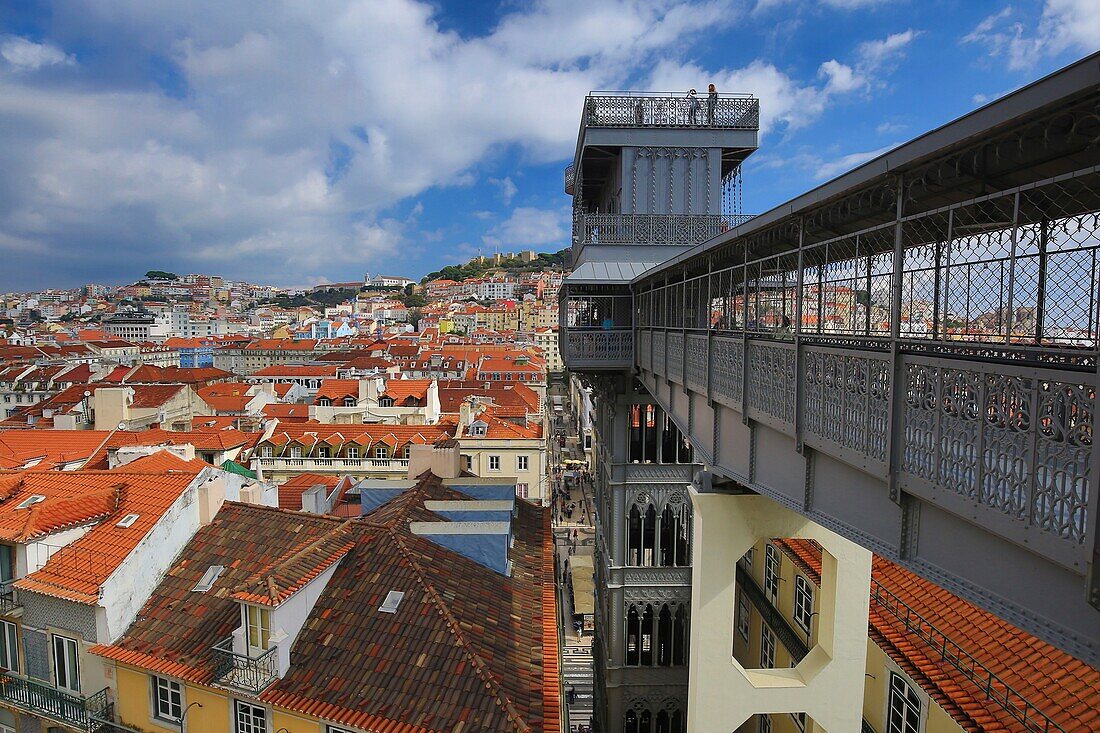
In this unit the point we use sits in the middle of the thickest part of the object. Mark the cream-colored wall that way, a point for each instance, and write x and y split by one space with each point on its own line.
828 683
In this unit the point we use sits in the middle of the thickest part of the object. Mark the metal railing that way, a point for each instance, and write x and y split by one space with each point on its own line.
570 179
598 348
40 698
7 597
671 109
994 688
776 621
661 229
244 672
1012 275
373 464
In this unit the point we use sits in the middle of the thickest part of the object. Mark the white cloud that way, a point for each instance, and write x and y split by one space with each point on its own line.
23 53
854 4
889 128
1065 25
239 168
507 188
843 164
840 78
531 227
875 53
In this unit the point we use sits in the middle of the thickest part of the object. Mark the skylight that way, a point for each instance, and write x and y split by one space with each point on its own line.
393 600
31 501
128 520
206 582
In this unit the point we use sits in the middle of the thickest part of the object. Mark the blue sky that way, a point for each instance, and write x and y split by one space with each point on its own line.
302 142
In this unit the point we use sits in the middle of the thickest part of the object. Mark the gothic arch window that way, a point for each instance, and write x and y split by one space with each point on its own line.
644 717
658 538
656 635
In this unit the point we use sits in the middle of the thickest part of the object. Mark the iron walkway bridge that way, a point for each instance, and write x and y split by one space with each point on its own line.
908 354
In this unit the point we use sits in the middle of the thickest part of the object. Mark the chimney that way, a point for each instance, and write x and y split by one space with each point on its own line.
211 495
443 460
465 416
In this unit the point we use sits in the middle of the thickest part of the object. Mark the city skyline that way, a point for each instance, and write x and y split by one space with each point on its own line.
292 148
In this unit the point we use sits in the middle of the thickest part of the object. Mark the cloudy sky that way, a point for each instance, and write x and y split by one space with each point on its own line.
301 142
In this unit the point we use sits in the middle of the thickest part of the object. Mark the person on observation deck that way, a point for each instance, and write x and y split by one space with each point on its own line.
693 108
712 104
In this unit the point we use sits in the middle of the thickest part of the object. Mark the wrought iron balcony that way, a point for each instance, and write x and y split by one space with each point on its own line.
380 465
570 178
7 597
671 109
85 713
244 672
666 229
599 349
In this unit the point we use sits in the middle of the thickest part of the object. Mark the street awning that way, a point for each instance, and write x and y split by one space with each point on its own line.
584 598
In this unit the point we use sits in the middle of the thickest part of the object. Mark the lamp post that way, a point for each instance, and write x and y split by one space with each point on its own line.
187 709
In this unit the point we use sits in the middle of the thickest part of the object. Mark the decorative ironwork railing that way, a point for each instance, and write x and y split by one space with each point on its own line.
666 229
373 464
611 349
244 672
1007 440
39 698
671 109
995 689
1013 276
570 179
7 597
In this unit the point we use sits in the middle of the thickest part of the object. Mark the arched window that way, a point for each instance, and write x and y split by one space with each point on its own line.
664 639
634 536
647 636
649 536
679 638
641 718
633 634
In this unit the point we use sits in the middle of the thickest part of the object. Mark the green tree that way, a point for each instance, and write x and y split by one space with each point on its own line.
161 275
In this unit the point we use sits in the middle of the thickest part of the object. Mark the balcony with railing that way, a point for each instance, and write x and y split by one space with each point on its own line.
7 597
671 109
378 465
250 674
41 699
683 230
599 349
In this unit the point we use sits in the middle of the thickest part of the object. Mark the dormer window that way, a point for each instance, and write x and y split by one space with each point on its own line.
380 451
324 402
385 401
477 429
349 402
258 621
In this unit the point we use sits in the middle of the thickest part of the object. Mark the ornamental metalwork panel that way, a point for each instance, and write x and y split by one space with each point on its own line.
1063 448
615 347
771 380
727 367
659 352
848 400
645 350
659 229
1004 439
676 356
697 361
671 109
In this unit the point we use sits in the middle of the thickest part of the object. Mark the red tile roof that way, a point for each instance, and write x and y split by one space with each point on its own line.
146 487
468 648
290 492
1063 687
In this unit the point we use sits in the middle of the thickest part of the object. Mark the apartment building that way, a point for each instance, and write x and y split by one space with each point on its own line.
353 625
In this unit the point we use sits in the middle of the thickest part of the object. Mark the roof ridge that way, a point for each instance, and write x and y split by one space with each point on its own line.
269 583
479 665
